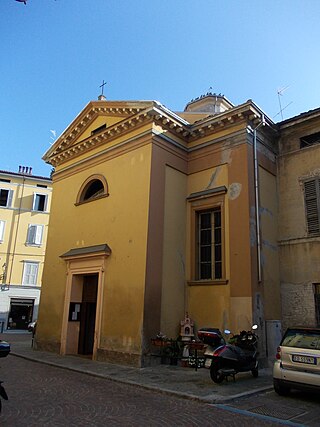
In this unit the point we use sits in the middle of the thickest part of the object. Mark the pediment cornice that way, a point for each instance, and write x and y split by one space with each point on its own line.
85 118
64 153
133 115
136 114
248 113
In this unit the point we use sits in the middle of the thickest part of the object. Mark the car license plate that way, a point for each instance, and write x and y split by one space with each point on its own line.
304 359
207 363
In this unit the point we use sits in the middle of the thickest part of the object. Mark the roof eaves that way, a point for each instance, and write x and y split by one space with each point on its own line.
299 118
171 113
25 175
247 106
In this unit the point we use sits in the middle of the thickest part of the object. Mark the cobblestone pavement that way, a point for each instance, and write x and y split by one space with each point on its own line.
42 395
298 407
173 380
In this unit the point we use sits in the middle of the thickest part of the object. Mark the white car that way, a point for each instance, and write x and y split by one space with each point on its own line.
297 363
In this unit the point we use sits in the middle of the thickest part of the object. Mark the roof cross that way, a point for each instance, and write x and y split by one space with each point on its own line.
102 86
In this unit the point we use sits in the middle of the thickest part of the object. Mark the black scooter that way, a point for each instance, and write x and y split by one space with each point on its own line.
213 339
238 355
4 351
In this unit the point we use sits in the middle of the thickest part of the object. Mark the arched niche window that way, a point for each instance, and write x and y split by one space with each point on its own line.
95 187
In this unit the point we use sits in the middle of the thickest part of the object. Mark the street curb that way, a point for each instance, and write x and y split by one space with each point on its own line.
206 399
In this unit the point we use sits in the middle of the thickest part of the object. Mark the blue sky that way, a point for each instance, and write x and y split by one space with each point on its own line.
55 54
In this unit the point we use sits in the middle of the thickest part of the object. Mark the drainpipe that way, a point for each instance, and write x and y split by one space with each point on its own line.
256 190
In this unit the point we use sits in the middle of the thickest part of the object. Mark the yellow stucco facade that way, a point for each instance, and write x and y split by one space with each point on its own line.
134 184
25 201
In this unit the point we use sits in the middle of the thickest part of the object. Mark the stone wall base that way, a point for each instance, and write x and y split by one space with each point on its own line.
53 347
103 355
119 358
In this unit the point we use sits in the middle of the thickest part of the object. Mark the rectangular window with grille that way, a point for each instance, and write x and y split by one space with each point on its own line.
312 205
209 245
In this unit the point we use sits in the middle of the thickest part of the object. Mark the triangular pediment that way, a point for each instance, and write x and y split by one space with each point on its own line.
96 125
103 122
95 119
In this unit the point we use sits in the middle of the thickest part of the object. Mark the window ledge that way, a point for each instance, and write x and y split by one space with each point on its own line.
92 200
207 282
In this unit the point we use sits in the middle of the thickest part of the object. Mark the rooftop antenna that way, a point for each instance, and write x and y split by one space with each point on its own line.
280 93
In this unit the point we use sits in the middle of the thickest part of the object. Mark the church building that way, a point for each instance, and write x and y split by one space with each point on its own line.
156 214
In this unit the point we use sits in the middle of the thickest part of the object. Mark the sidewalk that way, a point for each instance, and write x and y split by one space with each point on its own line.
176 380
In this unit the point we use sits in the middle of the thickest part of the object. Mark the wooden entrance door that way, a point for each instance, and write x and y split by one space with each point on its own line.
88 314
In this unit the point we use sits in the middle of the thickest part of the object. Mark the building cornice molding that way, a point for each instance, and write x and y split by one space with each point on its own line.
106 153
137 114
65 149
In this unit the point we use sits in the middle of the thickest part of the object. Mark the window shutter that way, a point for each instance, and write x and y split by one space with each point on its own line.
10 195
38 236
31 234
30 273
26 272
312 201
45 203
2 224
35 202
33 273
35 234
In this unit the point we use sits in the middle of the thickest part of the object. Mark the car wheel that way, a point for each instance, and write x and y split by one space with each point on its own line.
280 389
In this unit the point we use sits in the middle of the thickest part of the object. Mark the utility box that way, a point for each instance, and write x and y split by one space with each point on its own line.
273 335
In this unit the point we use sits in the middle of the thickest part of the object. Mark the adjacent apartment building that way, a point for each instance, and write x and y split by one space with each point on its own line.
299 218
24 216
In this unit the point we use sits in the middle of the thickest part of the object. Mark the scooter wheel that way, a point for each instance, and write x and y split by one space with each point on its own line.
216 376
255 373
